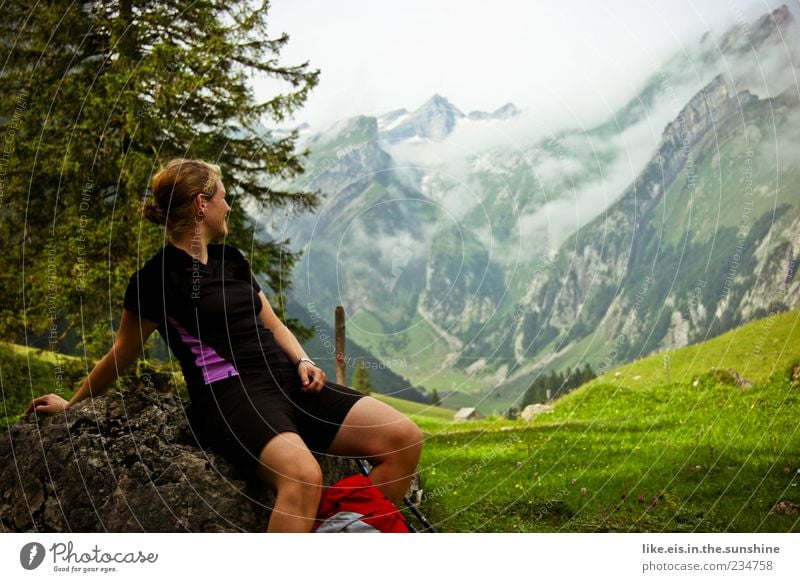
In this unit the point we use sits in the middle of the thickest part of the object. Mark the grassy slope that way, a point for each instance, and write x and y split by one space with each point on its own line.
427 352
426 416
29 372
636 455
755 350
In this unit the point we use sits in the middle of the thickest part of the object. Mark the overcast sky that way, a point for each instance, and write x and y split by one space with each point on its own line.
376 56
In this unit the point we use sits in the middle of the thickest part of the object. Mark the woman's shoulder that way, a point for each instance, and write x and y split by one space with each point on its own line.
224 250
153 266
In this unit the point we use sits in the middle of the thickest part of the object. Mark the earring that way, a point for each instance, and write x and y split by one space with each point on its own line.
201 213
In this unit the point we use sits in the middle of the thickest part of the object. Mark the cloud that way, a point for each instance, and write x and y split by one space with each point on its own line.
573 208
544 57
767 72
521 141
771 70
442 169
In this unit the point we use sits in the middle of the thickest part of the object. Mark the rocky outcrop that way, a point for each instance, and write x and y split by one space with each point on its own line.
533 410
127 462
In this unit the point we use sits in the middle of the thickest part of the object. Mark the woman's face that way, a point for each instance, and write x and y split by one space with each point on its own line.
216 212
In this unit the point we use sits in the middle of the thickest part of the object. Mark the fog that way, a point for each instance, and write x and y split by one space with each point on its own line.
767 71
375 57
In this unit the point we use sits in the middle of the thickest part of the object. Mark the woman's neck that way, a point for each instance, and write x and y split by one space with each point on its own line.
193 242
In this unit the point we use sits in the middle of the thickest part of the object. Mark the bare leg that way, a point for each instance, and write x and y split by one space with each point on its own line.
387 438
290 468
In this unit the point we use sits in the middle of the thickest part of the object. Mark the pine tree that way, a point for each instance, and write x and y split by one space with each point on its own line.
95 97
361 381
588 374
511 413
436 400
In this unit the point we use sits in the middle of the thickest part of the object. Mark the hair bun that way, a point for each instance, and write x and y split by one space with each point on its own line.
154 213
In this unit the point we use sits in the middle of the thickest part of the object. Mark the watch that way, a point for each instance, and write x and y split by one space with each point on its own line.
309 360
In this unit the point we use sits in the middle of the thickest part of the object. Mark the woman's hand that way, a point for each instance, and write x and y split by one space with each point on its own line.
311 377
48 403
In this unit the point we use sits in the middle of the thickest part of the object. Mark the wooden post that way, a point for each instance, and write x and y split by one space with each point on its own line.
341 368
666 366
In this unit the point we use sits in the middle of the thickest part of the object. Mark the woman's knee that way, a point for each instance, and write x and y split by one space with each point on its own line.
301 486
413 435
304 473
404 439
285 462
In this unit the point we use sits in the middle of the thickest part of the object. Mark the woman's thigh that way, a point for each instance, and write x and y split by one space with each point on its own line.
374 429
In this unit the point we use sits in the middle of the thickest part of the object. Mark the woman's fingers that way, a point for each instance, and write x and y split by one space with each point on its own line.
39 403
312 378
305 380
48 403
36 403
313 382
319 380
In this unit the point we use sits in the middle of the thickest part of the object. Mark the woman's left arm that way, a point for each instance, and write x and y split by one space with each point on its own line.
312 377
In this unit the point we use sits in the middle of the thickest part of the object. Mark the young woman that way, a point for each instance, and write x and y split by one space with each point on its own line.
256 395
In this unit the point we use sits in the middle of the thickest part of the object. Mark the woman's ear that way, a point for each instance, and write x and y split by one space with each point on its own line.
199 203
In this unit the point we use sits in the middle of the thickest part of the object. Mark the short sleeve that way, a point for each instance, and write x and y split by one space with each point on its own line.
243 270
143 296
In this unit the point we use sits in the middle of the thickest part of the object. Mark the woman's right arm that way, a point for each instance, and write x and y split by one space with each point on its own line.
131 335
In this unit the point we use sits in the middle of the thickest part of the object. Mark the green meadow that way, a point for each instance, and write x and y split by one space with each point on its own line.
630 452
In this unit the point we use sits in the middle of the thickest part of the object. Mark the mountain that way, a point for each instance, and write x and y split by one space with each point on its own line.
702 241
434 120
505 112
484 262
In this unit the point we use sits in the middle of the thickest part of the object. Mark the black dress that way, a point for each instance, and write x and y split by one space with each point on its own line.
244 389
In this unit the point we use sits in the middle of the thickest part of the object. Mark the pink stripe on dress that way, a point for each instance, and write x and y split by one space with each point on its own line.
213 366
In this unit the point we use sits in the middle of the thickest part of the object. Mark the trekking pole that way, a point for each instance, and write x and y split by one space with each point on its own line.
364 468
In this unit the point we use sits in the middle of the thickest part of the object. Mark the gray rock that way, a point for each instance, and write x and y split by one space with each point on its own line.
533 410
731 377
127 462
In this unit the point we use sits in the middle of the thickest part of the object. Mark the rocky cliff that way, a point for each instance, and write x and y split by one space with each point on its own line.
691 249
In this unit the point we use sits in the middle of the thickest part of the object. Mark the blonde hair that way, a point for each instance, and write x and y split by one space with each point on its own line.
175 186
